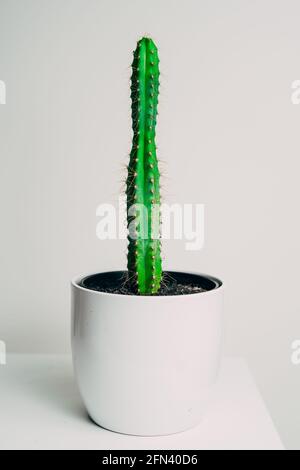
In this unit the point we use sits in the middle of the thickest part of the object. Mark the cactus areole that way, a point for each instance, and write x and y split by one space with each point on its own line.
142 186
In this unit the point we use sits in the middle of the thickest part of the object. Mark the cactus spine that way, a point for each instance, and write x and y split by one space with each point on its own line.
143 196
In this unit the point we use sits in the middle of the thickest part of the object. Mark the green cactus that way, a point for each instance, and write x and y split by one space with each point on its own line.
143 190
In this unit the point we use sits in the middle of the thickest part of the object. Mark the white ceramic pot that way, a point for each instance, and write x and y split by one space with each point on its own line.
145 365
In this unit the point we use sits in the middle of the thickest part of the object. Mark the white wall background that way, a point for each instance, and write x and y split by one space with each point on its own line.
229 136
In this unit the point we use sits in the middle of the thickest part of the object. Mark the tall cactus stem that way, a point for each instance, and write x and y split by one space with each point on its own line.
143 189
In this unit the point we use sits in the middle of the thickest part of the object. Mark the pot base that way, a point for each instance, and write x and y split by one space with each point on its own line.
151 433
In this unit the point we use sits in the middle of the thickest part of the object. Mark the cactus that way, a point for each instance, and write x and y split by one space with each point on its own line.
143 190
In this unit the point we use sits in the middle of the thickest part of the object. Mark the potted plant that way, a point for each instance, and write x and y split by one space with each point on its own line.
146 344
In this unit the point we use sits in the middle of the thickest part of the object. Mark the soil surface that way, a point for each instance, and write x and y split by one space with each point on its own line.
170 286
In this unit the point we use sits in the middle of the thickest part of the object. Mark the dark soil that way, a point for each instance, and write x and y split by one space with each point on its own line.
173 284
170 289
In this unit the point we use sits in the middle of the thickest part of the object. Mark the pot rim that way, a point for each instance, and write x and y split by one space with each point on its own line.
152 298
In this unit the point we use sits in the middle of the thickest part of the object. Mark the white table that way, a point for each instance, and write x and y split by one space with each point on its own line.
40 408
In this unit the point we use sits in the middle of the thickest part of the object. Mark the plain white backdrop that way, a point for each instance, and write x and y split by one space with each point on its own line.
228 135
